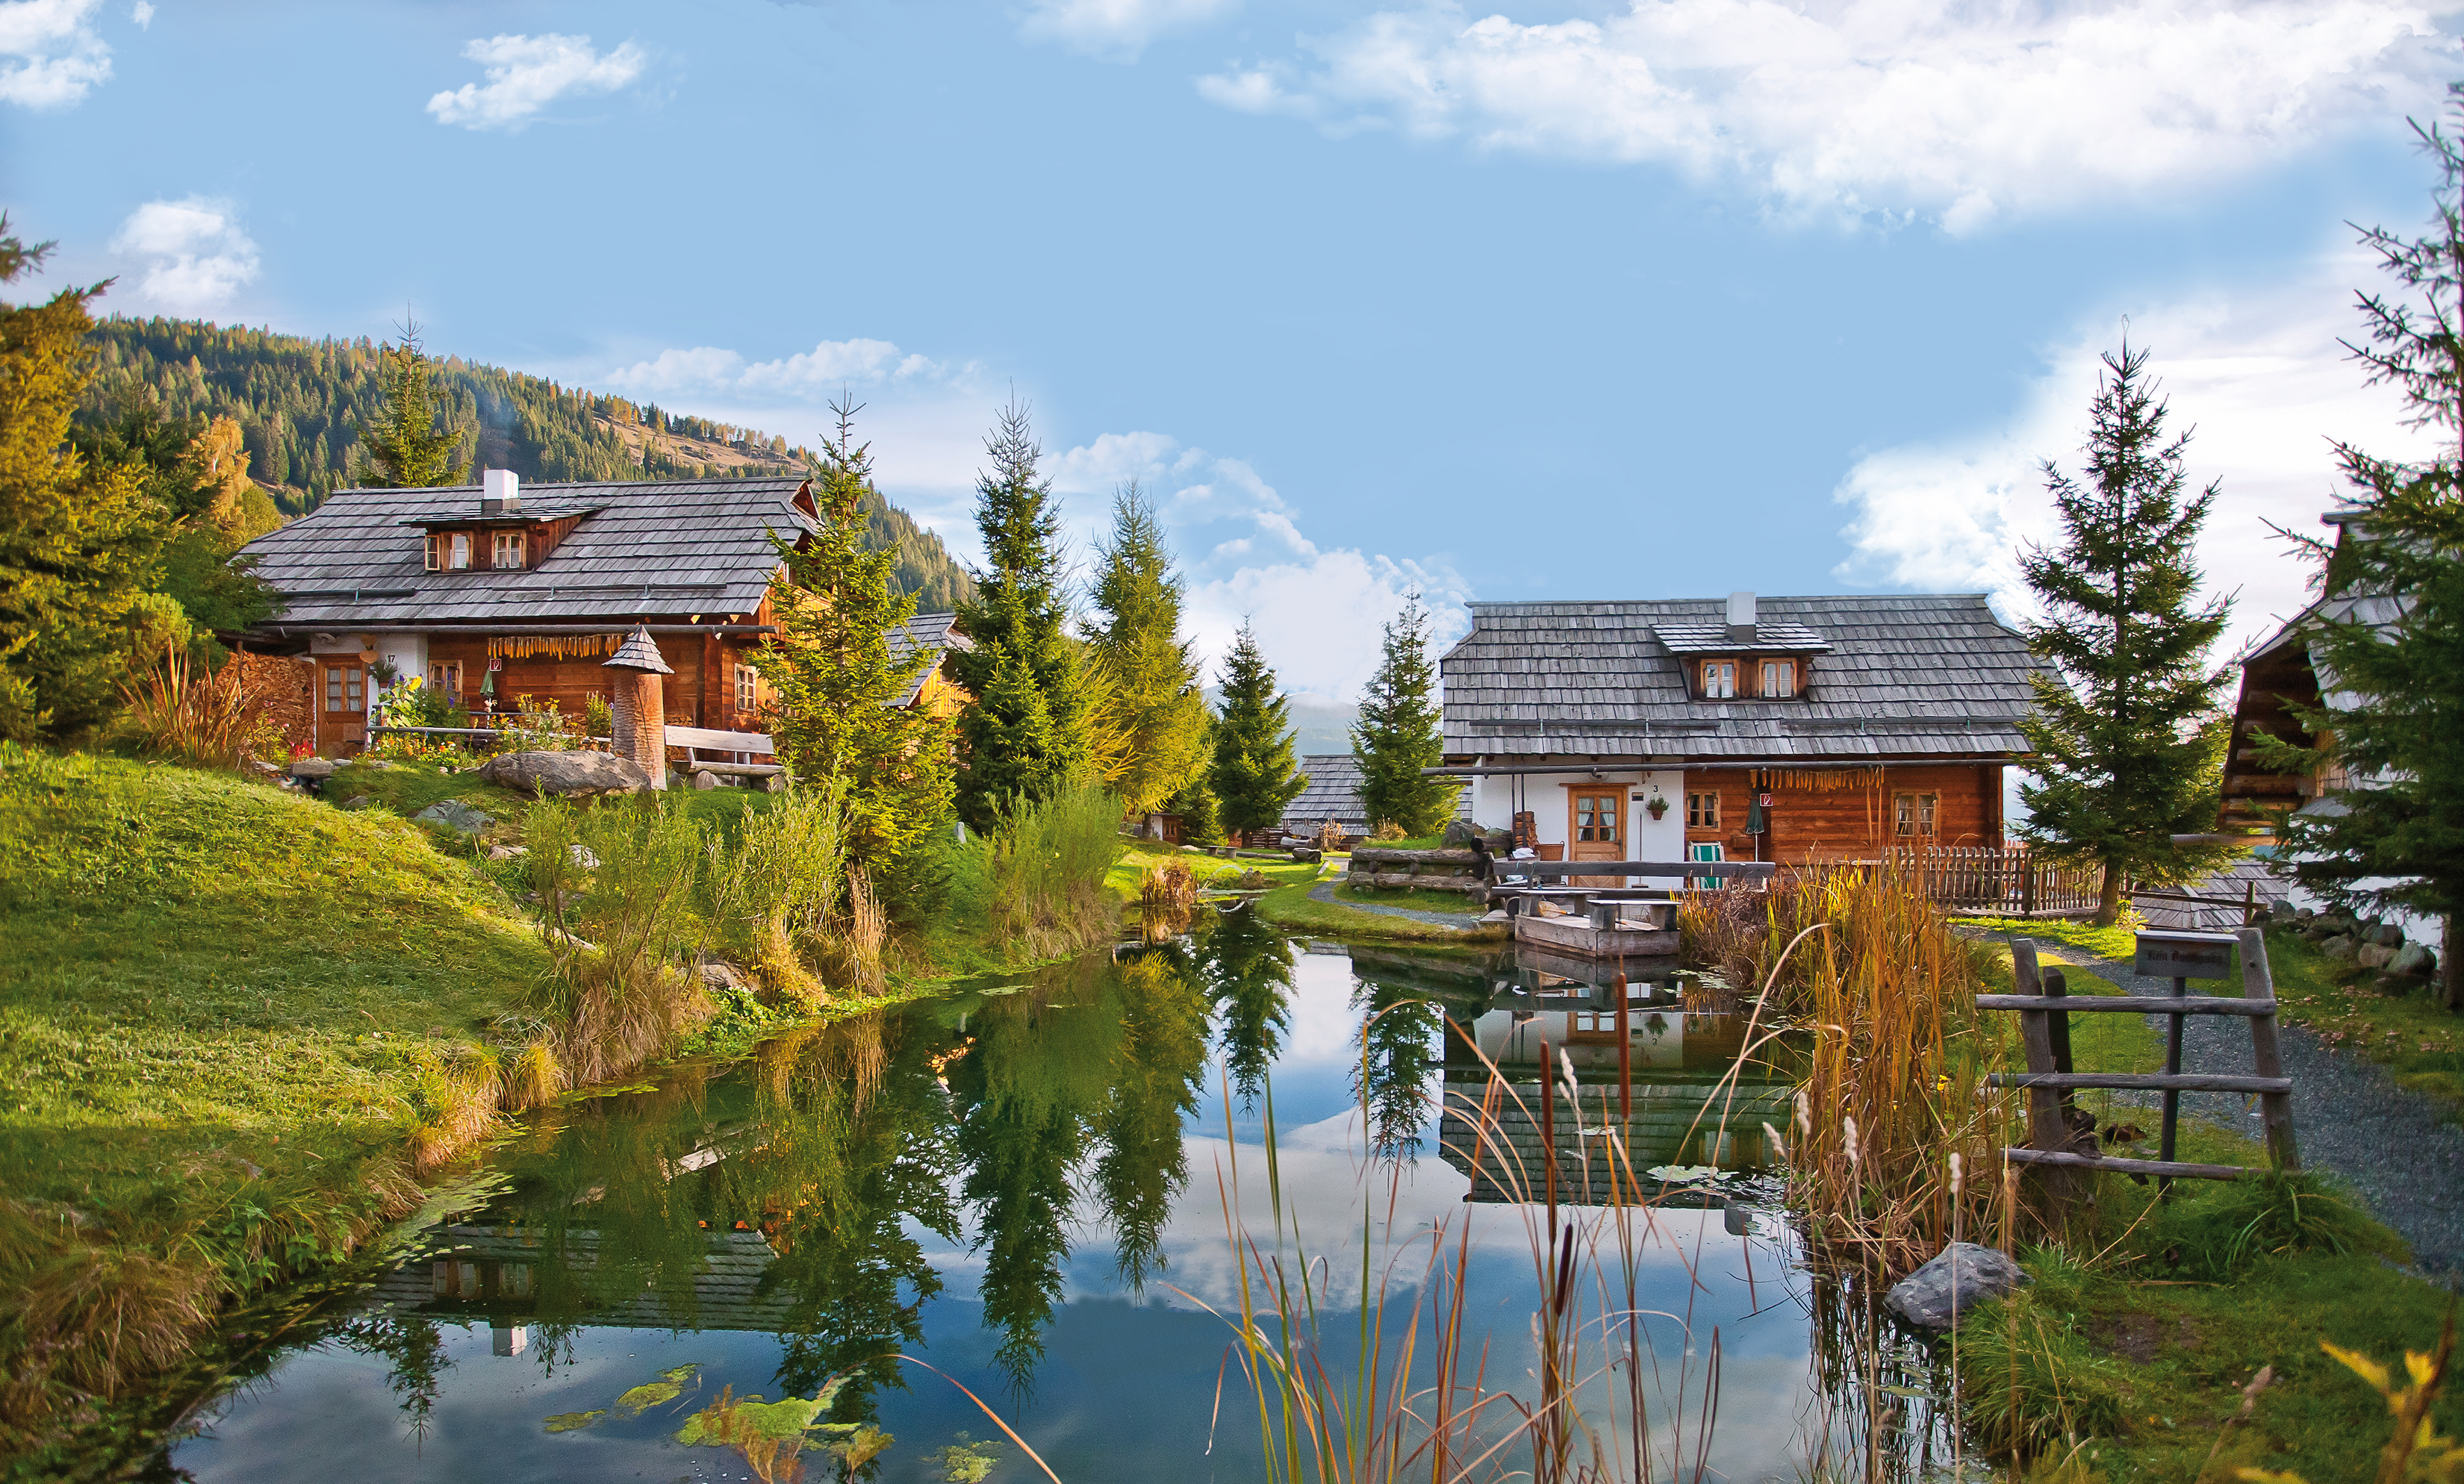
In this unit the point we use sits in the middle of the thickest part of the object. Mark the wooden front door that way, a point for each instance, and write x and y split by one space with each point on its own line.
343 703
1595 828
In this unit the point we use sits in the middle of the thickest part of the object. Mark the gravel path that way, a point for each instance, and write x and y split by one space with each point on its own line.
2392 1146
1323 891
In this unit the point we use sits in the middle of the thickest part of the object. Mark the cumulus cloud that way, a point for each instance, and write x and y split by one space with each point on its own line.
193 253
143 15
824 368
2256 374
49 54
1317 611
1118 30
525 73
1961 114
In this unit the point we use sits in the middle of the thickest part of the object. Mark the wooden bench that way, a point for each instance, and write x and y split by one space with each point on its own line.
705 775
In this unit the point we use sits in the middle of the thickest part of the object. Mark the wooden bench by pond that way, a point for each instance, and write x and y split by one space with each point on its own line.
709 774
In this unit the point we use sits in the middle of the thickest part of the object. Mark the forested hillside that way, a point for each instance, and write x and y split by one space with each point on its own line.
300 402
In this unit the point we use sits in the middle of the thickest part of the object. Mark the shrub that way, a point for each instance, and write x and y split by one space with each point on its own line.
185 713
1046 867
774 894
619 915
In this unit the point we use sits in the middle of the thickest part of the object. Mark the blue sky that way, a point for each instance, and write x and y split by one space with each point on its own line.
1573 299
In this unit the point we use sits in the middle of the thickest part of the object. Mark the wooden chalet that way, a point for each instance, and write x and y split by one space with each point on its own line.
1793 729
499 591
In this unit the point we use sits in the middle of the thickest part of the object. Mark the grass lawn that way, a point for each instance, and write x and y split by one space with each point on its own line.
2419 1043
2114 942
2175 1339
224 1011
406 788
1412 897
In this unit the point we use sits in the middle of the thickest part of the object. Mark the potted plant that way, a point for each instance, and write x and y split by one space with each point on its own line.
1657 805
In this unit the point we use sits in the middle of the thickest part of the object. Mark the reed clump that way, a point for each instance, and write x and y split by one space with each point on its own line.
617 895
1044 867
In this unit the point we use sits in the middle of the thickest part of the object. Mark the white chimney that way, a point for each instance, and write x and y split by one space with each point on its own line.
1741 614
500 494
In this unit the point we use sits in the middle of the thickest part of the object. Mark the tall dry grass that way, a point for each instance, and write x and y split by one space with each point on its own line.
188 712
620 916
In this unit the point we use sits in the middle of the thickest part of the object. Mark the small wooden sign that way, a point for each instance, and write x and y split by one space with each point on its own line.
2186 956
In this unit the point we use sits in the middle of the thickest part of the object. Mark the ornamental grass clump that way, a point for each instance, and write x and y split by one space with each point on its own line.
620 916
190 713
1045 866
2030 1382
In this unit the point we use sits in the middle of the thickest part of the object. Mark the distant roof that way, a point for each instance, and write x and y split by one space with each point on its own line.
653 548
1333 793
933 631
1903 675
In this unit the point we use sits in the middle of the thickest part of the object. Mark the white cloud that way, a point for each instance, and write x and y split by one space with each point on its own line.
1317 611
525 73
49 54
193 252
1116 28
821 370
1963 114
143 14
2256 374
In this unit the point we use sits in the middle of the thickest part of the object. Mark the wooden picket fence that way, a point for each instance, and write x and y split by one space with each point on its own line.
2001 883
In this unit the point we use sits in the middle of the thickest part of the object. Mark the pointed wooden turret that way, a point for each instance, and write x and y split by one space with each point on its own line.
639 710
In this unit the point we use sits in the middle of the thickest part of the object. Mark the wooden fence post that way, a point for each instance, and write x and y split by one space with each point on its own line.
2047 1128
2275 1109
2028 888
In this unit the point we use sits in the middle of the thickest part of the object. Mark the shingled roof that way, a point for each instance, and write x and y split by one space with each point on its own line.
1904 675
1333 793
665 548
937 632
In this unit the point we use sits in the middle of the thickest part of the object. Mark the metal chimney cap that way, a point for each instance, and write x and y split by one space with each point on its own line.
638 652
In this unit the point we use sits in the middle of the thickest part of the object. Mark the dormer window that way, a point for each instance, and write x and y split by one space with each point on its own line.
1779 678
457 555
1719 679
435 552
506 549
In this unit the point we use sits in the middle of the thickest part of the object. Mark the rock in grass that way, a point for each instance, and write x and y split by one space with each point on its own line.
565 774
2373 955
1925 1297
2337 947
358 802
2411 959
454 815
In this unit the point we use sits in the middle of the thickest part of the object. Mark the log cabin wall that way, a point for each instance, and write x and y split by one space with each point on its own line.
1852 824
700 693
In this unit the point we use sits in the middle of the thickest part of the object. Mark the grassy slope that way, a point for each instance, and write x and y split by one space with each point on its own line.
2186 1347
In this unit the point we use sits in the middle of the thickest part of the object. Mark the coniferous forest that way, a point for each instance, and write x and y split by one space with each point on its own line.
300 404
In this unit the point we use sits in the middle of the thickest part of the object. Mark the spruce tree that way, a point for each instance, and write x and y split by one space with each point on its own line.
1025 737
409 448
79 539
838 678
2388 640
1398 734
1151 713
2129 736
1252 772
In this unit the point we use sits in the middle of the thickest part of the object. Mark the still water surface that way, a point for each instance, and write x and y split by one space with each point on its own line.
1026 1183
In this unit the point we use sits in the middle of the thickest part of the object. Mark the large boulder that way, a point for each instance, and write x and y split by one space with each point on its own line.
2373 955
568 774
2412 959
1960 1276
2337 947
2388 935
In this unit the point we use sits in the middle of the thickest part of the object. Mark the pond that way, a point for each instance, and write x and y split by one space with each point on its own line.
1052 1192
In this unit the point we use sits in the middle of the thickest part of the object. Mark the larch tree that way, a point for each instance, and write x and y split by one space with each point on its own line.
840 678
2129 736
412 447
2388 640
1398 734
1150 710
1025 737
1252 774
79 539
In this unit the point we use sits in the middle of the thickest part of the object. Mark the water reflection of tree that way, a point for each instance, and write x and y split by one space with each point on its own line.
856 1139
1154 1088
1399 1028
1249 978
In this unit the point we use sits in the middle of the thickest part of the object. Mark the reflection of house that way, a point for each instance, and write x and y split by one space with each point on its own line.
1787 729
499 1272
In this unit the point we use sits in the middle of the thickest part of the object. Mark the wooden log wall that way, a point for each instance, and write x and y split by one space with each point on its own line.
1813 825
700 693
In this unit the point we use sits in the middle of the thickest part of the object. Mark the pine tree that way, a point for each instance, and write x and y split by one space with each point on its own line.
1026 735
79 540
2392 670
410 446
1252 772
1151 717
1397 735
2129 740
839 680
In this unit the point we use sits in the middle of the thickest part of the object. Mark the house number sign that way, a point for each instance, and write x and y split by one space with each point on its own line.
2184 955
